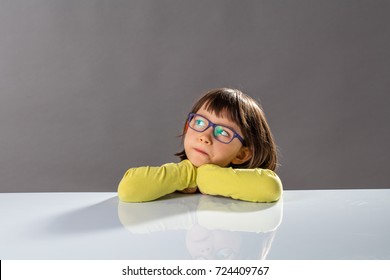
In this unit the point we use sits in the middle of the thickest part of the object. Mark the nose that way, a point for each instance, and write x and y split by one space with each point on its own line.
206 136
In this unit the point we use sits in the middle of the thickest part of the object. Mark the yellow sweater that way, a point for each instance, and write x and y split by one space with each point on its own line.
149 183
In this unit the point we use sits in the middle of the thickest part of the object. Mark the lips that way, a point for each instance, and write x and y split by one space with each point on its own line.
201 151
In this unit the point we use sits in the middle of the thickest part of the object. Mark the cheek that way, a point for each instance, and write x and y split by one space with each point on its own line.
226 154
189 136
228 151
186 141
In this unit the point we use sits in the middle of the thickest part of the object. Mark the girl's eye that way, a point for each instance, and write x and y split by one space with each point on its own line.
200 123
220 131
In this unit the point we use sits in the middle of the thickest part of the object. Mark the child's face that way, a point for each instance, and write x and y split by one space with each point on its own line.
202 148
212 244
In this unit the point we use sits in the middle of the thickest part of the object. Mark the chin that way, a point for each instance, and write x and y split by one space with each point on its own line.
197 162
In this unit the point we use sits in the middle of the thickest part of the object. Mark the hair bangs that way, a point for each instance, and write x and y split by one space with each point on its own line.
223 103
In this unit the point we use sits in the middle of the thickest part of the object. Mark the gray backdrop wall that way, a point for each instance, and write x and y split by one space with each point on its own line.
91 88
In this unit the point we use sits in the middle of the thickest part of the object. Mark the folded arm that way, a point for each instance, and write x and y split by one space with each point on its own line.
256 185
149 183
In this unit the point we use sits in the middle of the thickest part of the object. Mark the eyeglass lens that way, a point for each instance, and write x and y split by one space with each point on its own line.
221 133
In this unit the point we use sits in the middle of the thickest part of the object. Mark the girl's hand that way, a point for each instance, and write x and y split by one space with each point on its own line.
189 190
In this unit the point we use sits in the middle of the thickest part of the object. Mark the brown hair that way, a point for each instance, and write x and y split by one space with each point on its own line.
249 116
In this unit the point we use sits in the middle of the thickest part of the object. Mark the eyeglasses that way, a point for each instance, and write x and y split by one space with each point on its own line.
221 133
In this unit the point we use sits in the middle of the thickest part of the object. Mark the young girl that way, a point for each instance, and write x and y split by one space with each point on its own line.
228 151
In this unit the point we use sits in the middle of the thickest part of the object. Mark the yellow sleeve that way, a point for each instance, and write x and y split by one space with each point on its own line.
149 183
255 185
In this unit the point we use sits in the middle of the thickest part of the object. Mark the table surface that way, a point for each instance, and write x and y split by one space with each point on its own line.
304 225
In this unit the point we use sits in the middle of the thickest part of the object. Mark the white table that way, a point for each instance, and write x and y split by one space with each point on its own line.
325 224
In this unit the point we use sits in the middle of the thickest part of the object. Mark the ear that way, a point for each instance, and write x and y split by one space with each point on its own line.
242 156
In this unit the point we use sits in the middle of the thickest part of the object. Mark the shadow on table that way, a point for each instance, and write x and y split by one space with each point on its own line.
98 217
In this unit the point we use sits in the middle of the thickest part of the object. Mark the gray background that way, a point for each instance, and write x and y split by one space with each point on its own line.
91 88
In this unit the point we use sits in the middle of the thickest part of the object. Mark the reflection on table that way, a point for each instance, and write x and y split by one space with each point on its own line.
316 225
213 227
